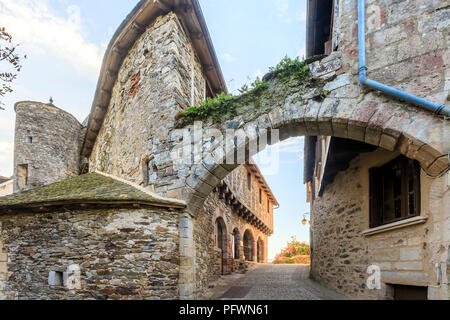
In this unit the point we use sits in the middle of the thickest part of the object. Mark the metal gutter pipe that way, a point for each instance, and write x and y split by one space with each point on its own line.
433 107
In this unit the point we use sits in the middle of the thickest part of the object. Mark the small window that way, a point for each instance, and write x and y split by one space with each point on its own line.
320 25
260 196
249 181
56 278
402 292
30 139
147 171
22 175
394 191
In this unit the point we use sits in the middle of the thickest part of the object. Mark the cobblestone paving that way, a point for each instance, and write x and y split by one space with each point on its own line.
273 282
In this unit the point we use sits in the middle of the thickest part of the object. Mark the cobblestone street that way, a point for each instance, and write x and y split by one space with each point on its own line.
272 282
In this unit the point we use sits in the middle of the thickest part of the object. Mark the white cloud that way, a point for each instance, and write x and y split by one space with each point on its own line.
228 57
42 31
293 145
283 10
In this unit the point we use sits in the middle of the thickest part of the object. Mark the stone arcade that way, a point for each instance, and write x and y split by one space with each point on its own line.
144 237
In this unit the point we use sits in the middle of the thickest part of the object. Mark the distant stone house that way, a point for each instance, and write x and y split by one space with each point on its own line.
6 186
373 206
85 220
239 217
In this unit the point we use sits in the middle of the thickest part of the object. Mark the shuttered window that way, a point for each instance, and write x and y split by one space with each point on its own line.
394 191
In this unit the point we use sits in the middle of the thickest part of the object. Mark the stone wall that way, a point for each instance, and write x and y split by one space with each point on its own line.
122 253
160 77
208 256
406 44
341 252
237 182
48 141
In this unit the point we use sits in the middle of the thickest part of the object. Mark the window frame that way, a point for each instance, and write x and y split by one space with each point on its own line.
377 191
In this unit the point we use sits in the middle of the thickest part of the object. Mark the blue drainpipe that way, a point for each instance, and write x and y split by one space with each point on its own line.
433 107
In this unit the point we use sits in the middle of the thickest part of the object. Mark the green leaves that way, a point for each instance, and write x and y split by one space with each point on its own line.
291 73
291 68
211 108
9 59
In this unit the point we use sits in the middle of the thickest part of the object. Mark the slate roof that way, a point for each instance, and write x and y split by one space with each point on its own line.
92 188
4 179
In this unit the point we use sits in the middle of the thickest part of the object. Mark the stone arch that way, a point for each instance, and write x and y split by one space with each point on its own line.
221 241
249 245
414 133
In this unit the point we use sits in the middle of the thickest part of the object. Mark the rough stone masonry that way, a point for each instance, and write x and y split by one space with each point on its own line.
161 62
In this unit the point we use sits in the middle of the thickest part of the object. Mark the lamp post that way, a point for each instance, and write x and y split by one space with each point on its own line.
305 221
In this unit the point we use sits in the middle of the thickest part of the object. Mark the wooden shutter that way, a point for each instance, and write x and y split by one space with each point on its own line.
376 197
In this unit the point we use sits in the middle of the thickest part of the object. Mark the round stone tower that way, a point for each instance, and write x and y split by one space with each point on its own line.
46 146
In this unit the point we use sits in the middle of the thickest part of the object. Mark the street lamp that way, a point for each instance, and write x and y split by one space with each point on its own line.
305 221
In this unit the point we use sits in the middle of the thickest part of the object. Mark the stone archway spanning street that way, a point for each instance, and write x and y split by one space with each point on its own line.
339 108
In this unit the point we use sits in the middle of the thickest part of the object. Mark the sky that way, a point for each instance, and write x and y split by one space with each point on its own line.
65 40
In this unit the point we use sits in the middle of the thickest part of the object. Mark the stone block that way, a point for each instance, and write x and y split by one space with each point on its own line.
409 277
441 292
386 255
423 86
438 166
393 34
328 65
414 241
359 119
413 266
276 116
310 116
293 112
187 291
341 81
403 10
3 257
350 91
384 266
427 155
388 142
410 253
3 267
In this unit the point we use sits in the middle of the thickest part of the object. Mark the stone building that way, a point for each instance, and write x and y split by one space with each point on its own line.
6 186
372 205
85 221
123 241
233 228
160 228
